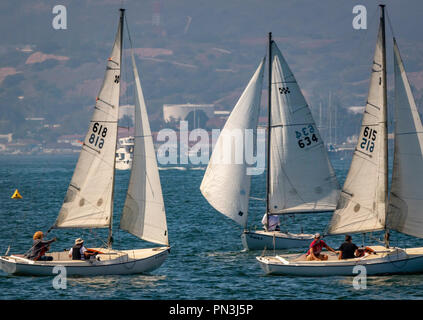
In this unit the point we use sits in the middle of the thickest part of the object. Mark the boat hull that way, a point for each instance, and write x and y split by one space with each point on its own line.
124 262
260 240
395 261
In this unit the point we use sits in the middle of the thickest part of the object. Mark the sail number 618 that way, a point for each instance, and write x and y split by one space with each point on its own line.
98 135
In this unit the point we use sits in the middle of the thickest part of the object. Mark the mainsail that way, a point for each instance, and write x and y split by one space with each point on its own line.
89 200
406 200
226 184
301 177
144 213
362 204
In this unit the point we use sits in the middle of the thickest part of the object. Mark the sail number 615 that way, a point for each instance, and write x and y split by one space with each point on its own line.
98 135
368 141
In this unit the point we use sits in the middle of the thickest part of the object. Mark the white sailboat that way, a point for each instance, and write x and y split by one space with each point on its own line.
300 178
89 199
363 205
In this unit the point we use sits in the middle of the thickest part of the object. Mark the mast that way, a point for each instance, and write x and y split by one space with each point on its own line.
110 236
385 112
269 102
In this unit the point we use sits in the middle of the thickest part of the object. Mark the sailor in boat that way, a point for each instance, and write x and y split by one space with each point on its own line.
316 247
274 223
79 252
39 248
347 250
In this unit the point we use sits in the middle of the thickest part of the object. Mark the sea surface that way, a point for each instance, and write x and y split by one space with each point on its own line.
207 260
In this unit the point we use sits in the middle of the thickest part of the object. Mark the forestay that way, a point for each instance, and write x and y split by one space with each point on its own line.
302 179
88 201
362 204
226 184
144 211
406 200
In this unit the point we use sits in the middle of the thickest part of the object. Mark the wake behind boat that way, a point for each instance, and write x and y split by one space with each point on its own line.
89 199
364 205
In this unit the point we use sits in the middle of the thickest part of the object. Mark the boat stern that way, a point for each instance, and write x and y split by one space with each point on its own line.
264 264
7 264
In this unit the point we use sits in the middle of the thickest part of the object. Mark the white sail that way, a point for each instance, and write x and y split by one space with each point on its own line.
144 212
226 184
362 204
301 176
406 200
88 201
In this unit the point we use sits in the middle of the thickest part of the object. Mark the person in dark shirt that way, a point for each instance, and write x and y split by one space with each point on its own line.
39 248
348 249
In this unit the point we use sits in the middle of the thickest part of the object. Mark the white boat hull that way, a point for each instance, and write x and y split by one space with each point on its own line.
386 261
123 164
110 263
260 240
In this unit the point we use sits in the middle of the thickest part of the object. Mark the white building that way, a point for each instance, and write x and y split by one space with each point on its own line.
196 114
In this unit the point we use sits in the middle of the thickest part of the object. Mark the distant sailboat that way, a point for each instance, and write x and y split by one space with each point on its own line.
89 199
300 178
364 205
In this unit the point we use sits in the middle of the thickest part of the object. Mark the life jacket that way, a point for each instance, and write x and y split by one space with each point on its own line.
76 252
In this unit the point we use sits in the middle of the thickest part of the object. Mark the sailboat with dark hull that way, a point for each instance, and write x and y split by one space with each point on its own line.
300 178
89 200
365 204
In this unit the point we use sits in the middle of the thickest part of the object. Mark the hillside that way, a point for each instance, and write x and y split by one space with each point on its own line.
189 51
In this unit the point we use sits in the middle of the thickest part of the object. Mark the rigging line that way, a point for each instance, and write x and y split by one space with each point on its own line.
132 52
366 33
389 23
127 31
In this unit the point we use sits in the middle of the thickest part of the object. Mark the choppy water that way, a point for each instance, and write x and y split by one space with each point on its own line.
206 260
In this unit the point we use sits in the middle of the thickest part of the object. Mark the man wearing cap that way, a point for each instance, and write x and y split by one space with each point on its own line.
316 247
78 251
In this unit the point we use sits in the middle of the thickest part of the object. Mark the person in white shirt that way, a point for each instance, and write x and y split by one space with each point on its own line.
274 222
78 251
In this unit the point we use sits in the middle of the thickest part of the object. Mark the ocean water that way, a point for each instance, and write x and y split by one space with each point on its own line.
206 259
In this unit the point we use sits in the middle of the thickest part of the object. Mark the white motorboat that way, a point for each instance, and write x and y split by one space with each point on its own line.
364 205
125 153
89 199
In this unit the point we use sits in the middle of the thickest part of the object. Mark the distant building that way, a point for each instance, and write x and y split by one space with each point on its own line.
197 115
126 110
34 119
6 137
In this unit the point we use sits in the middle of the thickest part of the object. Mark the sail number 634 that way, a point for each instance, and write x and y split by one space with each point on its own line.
98 135
368 141
306 136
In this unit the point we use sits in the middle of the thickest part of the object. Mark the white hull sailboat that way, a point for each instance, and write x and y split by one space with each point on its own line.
262 239
364 205
385 261
108 263
89 199
300 178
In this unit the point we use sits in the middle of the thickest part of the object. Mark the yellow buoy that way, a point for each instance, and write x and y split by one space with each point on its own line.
16 195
